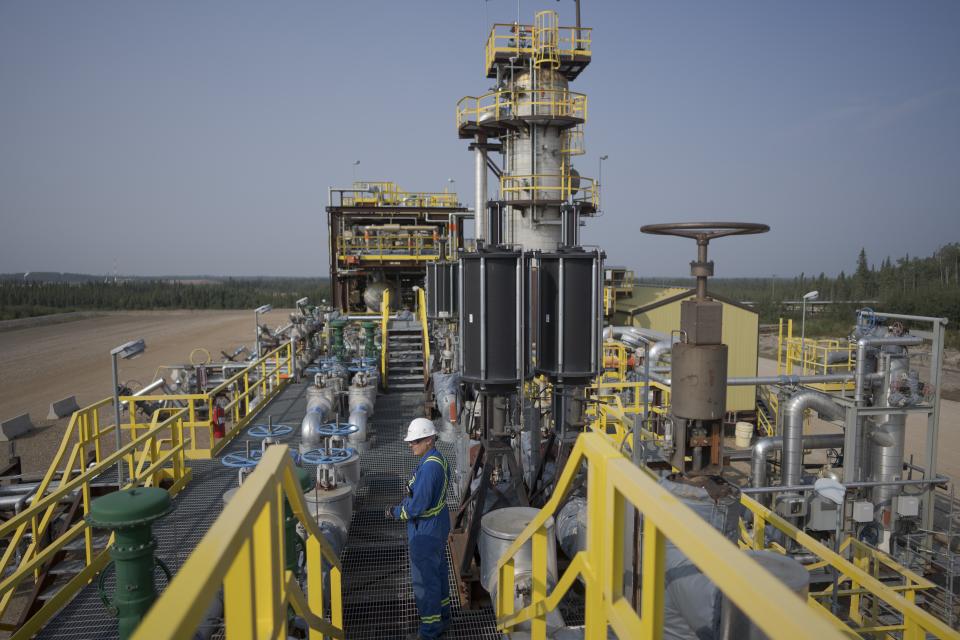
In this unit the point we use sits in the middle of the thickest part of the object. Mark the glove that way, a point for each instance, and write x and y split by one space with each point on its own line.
388 514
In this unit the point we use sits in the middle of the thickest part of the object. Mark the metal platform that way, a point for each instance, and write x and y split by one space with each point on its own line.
377 591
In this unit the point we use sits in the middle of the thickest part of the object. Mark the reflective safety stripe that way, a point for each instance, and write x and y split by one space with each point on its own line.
442 500
445 602
430 619
403 513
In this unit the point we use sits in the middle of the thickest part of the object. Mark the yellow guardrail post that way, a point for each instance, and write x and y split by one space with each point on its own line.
916 622
150 464
613 482
425 329
243 551
384 329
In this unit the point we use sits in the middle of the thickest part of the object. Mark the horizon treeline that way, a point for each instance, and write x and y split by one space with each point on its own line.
27 299
928 286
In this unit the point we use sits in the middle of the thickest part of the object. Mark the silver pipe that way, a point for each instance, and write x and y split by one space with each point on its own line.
789 379
888 438
480 197
659 349
793 429
797 488
764 447
865 343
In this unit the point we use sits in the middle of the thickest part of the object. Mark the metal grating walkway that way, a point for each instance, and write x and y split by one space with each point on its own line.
378 597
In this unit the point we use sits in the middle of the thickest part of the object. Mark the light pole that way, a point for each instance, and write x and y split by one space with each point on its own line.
600 180
356 163
811 295
453 185
126 351
256 318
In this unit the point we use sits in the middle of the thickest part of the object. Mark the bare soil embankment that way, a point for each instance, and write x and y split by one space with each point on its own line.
46 362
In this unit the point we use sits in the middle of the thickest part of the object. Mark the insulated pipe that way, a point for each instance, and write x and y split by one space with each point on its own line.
793 429
865 343
358 417
480 197
764 447
658 350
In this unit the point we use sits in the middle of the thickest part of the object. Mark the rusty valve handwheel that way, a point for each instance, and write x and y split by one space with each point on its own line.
704 232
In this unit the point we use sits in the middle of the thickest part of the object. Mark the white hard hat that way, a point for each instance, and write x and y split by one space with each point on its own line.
420 428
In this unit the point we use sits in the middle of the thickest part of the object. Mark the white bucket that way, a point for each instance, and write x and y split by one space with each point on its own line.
744 434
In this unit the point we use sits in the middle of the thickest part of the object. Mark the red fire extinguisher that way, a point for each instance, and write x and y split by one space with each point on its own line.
218 417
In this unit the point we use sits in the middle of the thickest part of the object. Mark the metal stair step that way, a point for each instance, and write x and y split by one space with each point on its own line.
68 567
59 583
78 544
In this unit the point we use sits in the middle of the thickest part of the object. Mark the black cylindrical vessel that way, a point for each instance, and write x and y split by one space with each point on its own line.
567 314
492 309
442 284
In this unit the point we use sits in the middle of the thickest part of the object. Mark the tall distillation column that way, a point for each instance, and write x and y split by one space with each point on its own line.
533 119
537 120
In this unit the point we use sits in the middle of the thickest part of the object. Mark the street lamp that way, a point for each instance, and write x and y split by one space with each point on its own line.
126 351
356 163
600 180
812 295
256 317
453 186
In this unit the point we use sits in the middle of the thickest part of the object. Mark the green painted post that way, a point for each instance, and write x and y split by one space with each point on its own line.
369 348
129 514
337 346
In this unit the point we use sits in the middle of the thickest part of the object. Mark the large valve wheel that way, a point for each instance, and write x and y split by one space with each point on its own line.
704 232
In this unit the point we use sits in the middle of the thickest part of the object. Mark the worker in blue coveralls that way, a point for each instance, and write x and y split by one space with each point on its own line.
424 509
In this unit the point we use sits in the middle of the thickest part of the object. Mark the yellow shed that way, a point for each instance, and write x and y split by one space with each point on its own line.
658 308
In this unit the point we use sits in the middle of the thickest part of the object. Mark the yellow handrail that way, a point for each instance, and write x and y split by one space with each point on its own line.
518 40
548 188
251 388
244 552
425 329
383 193
384 329
509 104
916 622
613 482
156 456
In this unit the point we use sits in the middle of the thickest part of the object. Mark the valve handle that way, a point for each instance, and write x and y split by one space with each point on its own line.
270 431
327 456
704 232
241 460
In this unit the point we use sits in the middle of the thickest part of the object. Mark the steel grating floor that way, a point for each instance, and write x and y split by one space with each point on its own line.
378 597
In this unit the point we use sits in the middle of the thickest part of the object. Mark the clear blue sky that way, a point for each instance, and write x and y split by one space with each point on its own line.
184 137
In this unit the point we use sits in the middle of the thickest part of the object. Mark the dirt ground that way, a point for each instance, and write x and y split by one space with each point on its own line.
49 362
948 457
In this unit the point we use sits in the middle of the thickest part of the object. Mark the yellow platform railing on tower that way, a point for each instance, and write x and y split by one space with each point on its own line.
612 484
243 395
859 583
505 105
243 551
513 40
156 456
548 188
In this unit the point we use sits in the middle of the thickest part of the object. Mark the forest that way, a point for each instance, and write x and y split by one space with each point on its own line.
928 286
21 297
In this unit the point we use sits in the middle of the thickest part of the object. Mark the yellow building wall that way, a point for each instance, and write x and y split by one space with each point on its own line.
741 330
